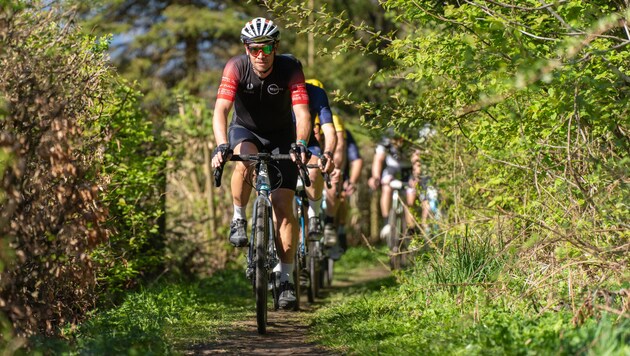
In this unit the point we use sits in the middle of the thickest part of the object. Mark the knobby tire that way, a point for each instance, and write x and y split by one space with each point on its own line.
262 275
296 278
304 262
396 223
313 268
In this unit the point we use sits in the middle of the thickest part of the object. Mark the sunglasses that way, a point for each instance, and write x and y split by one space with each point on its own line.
255 51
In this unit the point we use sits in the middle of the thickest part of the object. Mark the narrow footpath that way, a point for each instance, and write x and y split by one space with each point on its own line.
288 331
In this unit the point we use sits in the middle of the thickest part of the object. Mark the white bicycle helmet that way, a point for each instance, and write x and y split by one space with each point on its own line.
260 30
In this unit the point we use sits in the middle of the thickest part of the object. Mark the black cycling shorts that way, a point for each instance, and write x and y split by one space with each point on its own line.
276 142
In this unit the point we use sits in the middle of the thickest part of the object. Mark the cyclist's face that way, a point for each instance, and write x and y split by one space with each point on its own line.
261 55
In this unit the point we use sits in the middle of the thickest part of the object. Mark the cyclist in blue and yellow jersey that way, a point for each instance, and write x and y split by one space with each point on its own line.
322 125
325 130
334 192
351 177
394 159
265 89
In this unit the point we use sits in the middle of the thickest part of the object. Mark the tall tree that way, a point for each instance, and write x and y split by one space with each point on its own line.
168 45
175 50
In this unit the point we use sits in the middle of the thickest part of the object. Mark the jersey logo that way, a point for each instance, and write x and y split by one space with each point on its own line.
273 89
250 86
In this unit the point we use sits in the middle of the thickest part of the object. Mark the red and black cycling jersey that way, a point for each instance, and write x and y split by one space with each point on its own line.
263 105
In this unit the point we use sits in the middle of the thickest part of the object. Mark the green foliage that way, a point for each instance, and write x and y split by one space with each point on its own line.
170 46
196 228
419 316
51 216
472 260
356 258
161 319
135 169
531 103
80 175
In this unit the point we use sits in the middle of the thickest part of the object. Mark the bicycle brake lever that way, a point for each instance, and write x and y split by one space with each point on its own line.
327 180
304 174
217 176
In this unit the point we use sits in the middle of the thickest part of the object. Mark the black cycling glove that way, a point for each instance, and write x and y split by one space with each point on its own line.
225 150
299 148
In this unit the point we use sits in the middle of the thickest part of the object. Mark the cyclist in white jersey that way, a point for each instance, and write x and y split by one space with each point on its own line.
393 159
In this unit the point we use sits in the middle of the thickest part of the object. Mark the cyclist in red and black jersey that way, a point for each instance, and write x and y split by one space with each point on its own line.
264 88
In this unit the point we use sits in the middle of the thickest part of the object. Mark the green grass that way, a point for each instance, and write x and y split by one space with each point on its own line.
161 319
416 315
407 313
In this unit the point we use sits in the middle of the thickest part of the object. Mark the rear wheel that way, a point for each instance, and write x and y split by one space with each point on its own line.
310 295
262 276
313 268
326 271
330 265
296 278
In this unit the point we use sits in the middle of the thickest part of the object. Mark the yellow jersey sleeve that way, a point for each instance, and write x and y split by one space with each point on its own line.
338 122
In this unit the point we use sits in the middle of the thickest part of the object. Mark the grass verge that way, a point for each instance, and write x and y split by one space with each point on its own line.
421 313
161 319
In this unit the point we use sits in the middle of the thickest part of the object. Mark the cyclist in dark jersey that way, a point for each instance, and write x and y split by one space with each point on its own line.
351 176
264 89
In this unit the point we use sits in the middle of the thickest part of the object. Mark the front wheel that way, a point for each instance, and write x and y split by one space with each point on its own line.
395 240
326 271
261 229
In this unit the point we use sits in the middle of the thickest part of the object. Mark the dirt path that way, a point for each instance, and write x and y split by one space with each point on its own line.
287 332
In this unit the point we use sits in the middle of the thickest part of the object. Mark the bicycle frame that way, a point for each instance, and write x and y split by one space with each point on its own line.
301 208
263 188
307 249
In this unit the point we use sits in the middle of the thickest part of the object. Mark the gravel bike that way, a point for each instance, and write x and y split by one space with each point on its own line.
396 239
262 256
324 261
308 254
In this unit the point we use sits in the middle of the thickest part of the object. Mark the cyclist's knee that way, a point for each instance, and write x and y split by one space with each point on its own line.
282 200
315 175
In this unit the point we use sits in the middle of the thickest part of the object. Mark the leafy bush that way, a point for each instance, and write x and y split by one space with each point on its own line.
51 213
80 197
134 166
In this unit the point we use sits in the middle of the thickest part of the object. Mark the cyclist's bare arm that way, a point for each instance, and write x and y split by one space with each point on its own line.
377 169
222 109
355 174
341 150
303 125
331 142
